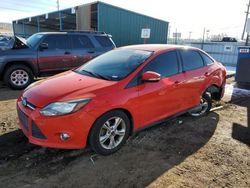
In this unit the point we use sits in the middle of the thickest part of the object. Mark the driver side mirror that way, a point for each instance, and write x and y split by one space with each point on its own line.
151 76
43 46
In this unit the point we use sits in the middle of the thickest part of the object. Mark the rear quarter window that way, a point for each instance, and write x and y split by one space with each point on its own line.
104 41
191 60
207 60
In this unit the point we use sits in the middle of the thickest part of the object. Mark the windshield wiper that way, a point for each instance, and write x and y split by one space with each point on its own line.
96 75
102 76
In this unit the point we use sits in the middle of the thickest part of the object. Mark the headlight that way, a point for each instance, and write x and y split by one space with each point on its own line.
63 108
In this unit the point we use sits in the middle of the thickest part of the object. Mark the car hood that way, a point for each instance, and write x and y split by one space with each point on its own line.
19 43
14 43
65 86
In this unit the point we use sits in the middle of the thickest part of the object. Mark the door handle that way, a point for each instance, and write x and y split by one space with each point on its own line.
176 83
66 52
91 52
65 60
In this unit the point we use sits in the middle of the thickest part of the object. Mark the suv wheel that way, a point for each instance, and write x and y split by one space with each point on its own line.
204 107
109 132
18 76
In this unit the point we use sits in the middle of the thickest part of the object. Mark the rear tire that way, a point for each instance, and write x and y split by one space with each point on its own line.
18 76
205 104
110 132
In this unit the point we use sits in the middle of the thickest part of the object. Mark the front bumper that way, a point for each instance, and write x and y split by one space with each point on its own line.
46 131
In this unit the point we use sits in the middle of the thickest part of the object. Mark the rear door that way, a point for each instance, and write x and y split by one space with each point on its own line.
58 56
83 49
193 77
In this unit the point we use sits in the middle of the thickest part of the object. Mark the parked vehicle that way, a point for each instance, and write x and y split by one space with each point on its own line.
122 91
6 42
229 39
226 39
49 53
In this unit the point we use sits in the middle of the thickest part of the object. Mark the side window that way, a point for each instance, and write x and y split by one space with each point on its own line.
207 59
81 41
104 41
191 60
56 42
165 64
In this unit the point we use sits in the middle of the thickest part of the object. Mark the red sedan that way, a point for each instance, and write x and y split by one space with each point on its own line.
122 91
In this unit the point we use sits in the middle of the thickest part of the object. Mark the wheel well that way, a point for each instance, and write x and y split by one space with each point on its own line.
123 110
9 64
214 91
130 119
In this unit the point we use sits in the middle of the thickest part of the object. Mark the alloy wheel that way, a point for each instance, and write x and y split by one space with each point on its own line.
203 108
19 77
112 133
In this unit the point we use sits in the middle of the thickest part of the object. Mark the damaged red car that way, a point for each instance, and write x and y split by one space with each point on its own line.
103 102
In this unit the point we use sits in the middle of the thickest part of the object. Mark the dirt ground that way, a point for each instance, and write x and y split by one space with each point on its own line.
211 151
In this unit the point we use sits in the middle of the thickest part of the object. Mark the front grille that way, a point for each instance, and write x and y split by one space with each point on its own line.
36 132
23 119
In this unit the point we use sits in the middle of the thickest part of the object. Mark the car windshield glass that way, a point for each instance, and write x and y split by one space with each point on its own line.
33 40
114 65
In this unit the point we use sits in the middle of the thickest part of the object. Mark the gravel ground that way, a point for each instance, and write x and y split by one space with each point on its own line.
211 151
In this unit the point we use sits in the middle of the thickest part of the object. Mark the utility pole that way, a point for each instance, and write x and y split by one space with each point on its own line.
169 29
207 31
203 38
176 39
59 15
57 5
189 38
247 13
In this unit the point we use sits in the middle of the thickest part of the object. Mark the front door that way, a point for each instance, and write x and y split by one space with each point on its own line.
58 56
160 99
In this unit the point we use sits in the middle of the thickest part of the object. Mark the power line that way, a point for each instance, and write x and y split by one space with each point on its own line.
25 7
41 2
20 4
18 10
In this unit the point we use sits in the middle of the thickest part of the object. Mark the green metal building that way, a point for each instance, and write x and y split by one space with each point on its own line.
125 26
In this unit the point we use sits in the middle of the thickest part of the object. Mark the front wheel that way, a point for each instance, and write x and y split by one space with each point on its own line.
203 108
109 132
18 76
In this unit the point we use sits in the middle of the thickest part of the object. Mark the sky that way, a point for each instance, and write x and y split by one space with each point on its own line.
189 17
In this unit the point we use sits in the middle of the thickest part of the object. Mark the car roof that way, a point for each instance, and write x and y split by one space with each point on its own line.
157 47
99 33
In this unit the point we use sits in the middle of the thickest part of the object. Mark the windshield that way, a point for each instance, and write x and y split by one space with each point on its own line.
114 65
34 39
